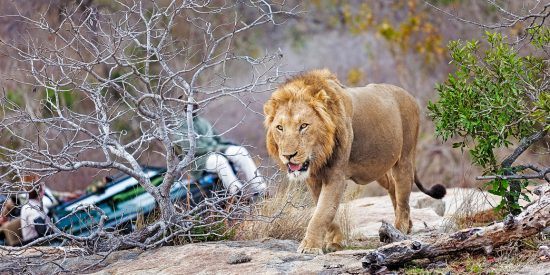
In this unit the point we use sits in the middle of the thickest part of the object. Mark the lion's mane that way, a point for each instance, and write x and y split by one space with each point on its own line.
322 91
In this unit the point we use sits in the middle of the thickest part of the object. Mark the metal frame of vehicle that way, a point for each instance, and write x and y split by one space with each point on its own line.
121 215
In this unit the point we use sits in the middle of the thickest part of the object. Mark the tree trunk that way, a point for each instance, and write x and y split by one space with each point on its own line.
529 222
165 205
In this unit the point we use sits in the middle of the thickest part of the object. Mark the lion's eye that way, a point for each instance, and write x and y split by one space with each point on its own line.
303 126
279 127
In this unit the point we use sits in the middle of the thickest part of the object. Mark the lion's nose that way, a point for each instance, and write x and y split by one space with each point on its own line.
290 156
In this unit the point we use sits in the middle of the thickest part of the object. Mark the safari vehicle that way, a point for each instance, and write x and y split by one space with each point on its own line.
123 200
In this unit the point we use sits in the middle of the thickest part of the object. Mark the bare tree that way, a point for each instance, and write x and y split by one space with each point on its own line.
142 62
529 15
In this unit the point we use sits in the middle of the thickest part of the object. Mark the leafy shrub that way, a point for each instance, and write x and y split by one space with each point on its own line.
495 97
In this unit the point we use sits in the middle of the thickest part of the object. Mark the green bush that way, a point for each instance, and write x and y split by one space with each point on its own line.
494 98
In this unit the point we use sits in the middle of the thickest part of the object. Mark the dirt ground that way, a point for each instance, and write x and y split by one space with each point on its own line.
265 255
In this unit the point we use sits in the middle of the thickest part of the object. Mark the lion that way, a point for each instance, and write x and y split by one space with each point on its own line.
323 134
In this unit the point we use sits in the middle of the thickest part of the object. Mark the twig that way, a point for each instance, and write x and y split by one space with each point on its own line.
541 175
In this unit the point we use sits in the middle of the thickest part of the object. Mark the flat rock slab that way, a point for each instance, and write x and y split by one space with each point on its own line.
279 256
262 257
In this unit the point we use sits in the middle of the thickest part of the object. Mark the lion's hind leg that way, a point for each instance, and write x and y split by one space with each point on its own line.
388 182
403 172
333 238
397 194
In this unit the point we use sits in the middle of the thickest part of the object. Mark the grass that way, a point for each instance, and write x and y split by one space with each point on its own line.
364 244
207 227
285 215
470 208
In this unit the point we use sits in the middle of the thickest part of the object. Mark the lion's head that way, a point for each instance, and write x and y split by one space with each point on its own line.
302 118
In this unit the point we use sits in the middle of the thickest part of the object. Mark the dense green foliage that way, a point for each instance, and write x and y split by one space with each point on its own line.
494 98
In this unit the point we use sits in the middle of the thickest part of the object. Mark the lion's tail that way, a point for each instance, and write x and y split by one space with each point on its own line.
437 191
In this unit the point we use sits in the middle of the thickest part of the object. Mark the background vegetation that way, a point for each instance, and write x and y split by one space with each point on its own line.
398 42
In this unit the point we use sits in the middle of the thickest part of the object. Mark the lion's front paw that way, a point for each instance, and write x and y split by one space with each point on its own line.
331 247
309 247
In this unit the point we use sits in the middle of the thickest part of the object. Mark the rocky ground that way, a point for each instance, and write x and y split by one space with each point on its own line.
427 214
271 256
280 257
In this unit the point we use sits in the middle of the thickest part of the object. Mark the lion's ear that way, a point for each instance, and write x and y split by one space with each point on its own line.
335 84
269 112
322 96
268 108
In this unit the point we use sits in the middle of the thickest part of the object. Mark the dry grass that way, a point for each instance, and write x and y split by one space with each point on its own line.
286 213
344 220
282 216
469 207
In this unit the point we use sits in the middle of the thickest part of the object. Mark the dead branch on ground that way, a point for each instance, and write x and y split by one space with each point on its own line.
529 222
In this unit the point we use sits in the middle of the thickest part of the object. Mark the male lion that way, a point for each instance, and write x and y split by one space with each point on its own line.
323 133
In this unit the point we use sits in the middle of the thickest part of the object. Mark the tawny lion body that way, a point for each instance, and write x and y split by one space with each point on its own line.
324 133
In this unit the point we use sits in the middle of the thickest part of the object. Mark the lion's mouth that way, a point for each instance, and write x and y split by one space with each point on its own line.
293 167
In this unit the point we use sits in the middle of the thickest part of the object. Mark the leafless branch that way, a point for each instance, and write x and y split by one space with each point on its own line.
534 17
541 175
127 66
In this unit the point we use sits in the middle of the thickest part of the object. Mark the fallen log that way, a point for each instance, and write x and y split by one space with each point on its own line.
389 234
531 221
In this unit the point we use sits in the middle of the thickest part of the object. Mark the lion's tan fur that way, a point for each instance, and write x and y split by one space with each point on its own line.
364 134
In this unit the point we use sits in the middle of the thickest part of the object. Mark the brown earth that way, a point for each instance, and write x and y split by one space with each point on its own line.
272 256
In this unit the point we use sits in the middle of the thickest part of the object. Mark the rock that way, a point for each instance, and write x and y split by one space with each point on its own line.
427 214
53 260
269 257
544 253
239 258
437 205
